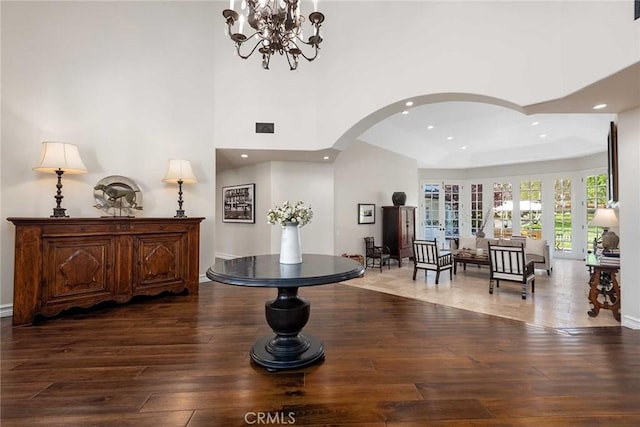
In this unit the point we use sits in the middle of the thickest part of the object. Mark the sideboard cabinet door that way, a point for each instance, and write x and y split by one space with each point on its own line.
160 262
77 272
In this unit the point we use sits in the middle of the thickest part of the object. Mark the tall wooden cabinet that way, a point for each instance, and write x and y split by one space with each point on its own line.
78 262
399 230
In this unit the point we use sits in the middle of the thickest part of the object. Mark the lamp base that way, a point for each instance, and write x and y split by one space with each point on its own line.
610 240
59 213
180 214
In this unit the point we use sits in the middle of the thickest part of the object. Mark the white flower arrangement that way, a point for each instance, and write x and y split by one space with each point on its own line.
288 213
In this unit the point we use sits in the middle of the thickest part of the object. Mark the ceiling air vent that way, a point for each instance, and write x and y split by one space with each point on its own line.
264 128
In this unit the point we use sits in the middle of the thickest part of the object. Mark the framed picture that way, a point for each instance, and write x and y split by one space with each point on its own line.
239 203
366 213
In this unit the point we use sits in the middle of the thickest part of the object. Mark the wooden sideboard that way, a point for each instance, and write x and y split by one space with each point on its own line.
399 230
62 263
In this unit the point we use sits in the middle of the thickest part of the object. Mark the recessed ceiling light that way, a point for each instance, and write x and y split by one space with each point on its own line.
326 157
535 123
599 106
449 138
464 147
409 103
430 127
544 135
244 156
405 112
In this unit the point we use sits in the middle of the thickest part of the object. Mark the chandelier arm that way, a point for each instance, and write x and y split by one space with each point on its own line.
308 58
238 45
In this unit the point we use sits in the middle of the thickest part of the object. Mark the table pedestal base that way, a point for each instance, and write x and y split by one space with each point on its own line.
274 361
287 314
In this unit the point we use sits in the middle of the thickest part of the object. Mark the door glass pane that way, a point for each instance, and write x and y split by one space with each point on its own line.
477 214
531 209
562 215
502 209
451 211
431 210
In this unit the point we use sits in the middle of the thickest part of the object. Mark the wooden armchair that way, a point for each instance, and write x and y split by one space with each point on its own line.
376 256
427 256
509 263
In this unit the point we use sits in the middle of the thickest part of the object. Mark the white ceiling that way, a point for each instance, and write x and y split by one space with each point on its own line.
473 134
493 135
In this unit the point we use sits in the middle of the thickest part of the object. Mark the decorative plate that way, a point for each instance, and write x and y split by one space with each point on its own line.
117 195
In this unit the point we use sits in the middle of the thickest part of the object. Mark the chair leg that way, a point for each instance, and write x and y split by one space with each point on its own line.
524 290
451 274
490 286
415 270
548 272
437 276
533 285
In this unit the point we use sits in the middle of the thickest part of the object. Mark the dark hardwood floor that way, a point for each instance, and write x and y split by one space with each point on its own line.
390 361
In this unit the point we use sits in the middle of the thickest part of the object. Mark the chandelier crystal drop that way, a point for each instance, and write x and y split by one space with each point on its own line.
277 26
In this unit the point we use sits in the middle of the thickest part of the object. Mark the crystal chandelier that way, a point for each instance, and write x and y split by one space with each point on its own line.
278 28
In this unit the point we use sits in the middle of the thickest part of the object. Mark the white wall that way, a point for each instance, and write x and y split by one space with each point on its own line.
129 83
277 182
242 239
365 173
313 184
521 52
629 194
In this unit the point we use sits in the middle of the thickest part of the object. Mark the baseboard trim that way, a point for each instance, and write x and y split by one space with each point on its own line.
6 310
631 322
225 256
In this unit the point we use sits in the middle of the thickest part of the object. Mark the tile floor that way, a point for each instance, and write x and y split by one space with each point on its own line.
560 300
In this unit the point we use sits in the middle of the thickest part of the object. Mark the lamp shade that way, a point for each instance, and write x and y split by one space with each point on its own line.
180 170
60 156
605 218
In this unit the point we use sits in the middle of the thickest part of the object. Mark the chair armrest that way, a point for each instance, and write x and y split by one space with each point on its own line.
446 257
529 268
547 255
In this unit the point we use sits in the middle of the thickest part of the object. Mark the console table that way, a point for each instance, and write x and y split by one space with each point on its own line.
287 314
62 263
604 290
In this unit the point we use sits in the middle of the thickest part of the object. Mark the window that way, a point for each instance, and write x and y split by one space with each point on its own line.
502 210
531 209
477 215
562 214
596 198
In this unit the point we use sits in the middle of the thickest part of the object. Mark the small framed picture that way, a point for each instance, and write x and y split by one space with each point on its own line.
239 203
366 213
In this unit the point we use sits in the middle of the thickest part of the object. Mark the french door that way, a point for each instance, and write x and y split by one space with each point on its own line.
441 211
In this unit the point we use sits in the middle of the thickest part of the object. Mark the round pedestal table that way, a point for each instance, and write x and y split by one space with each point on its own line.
288 313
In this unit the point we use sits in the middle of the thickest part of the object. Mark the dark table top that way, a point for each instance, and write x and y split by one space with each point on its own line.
266 271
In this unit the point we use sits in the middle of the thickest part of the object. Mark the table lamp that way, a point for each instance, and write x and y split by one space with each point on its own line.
606 218
180 172
59 158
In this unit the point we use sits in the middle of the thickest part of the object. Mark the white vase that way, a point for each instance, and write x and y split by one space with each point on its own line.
290 252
